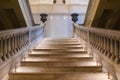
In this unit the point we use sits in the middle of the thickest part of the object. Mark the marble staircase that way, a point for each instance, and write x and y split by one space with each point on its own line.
58 59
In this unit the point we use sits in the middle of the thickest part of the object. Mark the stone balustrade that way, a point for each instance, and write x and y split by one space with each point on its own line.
103 43
13 43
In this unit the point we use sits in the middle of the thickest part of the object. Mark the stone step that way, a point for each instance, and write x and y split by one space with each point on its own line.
57 55
56 46
37 69
58 59
73 40
58 76
48 52
58 63
62 50
60 39
61 44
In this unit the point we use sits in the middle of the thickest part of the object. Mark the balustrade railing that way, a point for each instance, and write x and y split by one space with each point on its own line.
13 41
107 42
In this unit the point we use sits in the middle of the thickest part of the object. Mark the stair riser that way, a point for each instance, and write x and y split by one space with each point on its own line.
55 77
50 64
66 69
53 55
62 44
62 59
57 49
65 48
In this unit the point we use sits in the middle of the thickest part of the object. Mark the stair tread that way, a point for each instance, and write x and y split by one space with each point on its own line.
57 52
59 64
57 59
59 46
60 50
34 69
33 59
60 55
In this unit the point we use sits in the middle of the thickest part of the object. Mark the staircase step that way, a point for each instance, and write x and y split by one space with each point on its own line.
60 59
59 46
60 39
62 50
39 70
58 63
56 55
58 76
58 43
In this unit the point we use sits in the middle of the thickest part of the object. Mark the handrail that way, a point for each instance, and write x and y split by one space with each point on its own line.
107 42
13 41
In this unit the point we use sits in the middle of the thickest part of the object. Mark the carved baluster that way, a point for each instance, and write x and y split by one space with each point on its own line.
10 45
8 49
118 50
1 50
105 45
20 40
14 44
28 38
115 49
17 42
111 48
90 38
23 40
93 39
97 41
4 50
100 43
102 49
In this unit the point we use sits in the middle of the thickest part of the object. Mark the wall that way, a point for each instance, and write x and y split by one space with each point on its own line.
112 17
59 25
10 15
